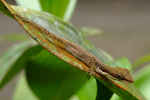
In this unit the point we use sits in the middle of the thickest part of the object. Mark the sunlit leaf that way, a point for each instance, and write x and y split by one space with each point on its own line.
31 4
23 91
142 80
88 91
60 8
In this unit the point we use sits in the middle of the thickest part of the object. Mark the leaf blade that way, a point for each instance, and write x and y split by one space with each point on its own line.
11 64
53 81
23 91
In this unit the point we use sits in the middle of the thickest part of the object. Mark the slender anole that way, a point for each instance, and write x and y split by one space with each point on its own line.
95 65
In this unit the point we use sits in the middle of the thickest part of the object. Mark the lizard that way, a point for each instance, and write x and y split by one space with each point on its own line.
95 65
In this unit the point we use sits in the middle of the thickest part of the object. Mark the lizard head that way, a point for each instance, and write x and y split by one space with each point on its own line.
122 74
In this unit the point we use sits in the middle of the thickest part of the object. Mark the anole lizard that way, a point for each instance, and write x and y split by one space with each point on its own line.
95 65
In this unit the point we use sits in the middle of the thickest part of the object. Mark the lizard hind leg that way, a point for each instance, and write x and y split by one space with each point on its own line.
91 70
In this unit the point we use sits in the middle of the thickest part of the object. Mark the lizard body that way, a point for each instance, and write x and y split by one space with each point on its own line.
116 73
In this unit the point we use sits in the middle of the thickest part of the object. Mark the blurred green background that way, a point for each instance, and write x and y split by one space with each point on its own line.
125 26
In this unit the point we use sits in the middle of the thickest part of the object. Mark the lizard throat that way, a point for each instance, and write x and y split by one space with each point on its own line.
107 75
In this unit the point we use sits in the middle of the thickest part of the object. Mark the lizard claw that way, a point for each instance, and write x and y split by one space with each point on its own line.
90 73
91 70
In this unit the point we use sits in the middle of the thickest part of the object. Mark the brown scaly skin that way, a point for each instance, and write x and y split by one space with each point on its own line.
122 74
115 73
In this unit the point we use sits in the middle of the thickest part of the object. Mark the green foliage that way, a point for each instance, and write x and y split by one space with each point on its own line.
14 37
141 61
61 8
23 91
48 77
52 75
142 79
87 31
11 64
103 93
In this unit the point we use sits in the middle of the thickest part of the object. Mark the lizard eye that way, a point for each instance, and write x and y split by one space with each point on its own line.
119 76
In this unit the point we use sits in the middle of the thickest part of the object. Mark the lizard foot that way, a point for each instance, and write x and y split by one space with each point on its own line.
90 73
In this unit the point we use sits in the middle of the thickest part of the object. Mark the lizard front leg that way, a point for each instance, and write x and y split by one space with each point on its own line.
92 68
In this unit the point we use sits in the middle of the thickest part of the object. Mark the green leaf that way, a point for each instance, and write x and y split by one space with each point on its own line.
14 59
88 91
140 61
31 4
4 10
109 57
142 80
14 37
67 31
122 92
88 31
23 91
103 92
53 79
115 97
60 8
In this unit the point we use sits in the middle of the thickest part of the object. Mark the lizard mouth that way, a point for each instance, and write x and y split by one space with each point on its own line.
123 80
128 81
